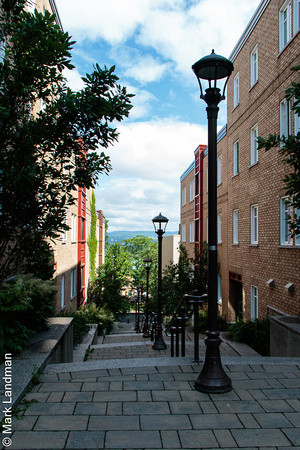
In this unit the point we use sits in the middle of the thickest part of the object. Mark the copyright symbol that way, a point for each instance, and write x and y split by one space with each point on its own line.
6 442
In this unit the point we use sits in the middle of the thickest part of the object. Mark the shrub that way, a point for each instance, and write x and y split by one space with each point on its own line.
84 317
25 305
255 333
203 322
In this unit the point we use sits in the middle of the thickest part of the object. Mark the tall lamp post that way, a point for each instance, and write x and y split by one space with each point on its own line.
160 225
148 262
137 323
212 378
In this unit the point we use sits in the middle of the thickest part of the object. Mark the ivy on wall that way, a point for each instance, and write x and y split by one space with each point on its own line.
92 239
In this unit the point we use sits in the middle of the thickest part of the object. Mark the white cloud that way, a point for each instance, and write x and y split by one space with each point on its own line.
74 80
147 164
147 69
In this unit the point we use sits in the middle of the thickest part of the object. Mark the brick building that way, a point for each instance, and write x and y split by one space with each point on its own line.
70 252
259 260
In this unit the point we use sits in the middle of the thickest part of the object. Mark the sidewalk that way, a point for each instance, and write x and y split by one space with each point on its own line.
137 399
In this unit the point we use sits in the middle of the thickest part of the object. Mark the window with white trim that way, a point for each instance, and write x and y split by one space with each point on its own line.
220 229
236 158
183 232
285 25
254 145
192 232
286 116
62 304
254 302
296 16
192 190
183 196
73 282
254 66
73 228
296 123
236 90
220 170
254 224
236 226
285 214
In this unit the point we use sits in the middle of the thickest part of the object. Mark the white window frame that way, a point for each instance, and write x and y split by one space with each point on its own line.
219 170
235 220
254 302
62 304
286 118
183 232
285 232
285 25
236 158
254 145
236 90
254 66
183 196
219 228
296 122
73 282
296 14
192 232
254 224
192 190
73 228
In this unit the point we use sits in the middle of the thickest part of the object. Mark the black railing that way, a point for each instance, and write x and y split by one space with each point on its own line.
177 324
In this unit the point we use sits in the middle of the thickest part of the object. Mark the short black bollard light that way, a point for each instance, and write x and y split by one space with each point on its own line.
212 378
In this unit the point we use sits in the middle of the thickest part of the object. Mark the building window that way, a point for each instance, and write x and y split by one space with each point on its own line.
254 150
192 190
31 5
220 229
254 224
197 231
219 289
73 228
285 118
197 184
183 196
285 213
236 158
236 226
82 229
183 232
220 170
296 16
254 66
2 46
285 29
73 282
192 232
254 302
236 90
296 124
62 292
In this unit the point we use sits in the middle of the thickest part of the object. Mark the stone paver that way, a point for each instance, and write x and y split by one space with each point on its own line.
146 405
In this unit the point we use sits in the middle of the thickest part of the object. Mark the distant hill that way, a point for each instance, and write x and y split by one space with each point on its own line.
119 236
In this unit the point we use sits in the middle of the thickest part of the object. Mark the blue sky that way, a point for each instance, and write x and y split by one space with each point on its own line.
153 44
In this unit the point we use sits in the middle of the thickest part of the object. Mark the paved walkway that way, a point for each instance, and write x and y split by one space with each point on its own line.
148 401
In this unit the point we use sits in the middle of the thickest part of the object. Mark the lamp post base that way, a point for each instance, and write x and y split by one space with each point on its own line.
213 379
159 343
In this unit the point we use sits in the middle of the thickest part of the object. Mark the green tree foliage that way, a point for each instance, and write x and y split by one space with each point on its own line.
46 155
139 248
112 277
92 239
188 275
289 146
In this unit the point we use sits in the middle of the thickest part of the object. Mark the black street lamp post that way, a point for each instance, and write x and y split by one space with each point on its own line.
137 324
160 224
146 333
212 378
